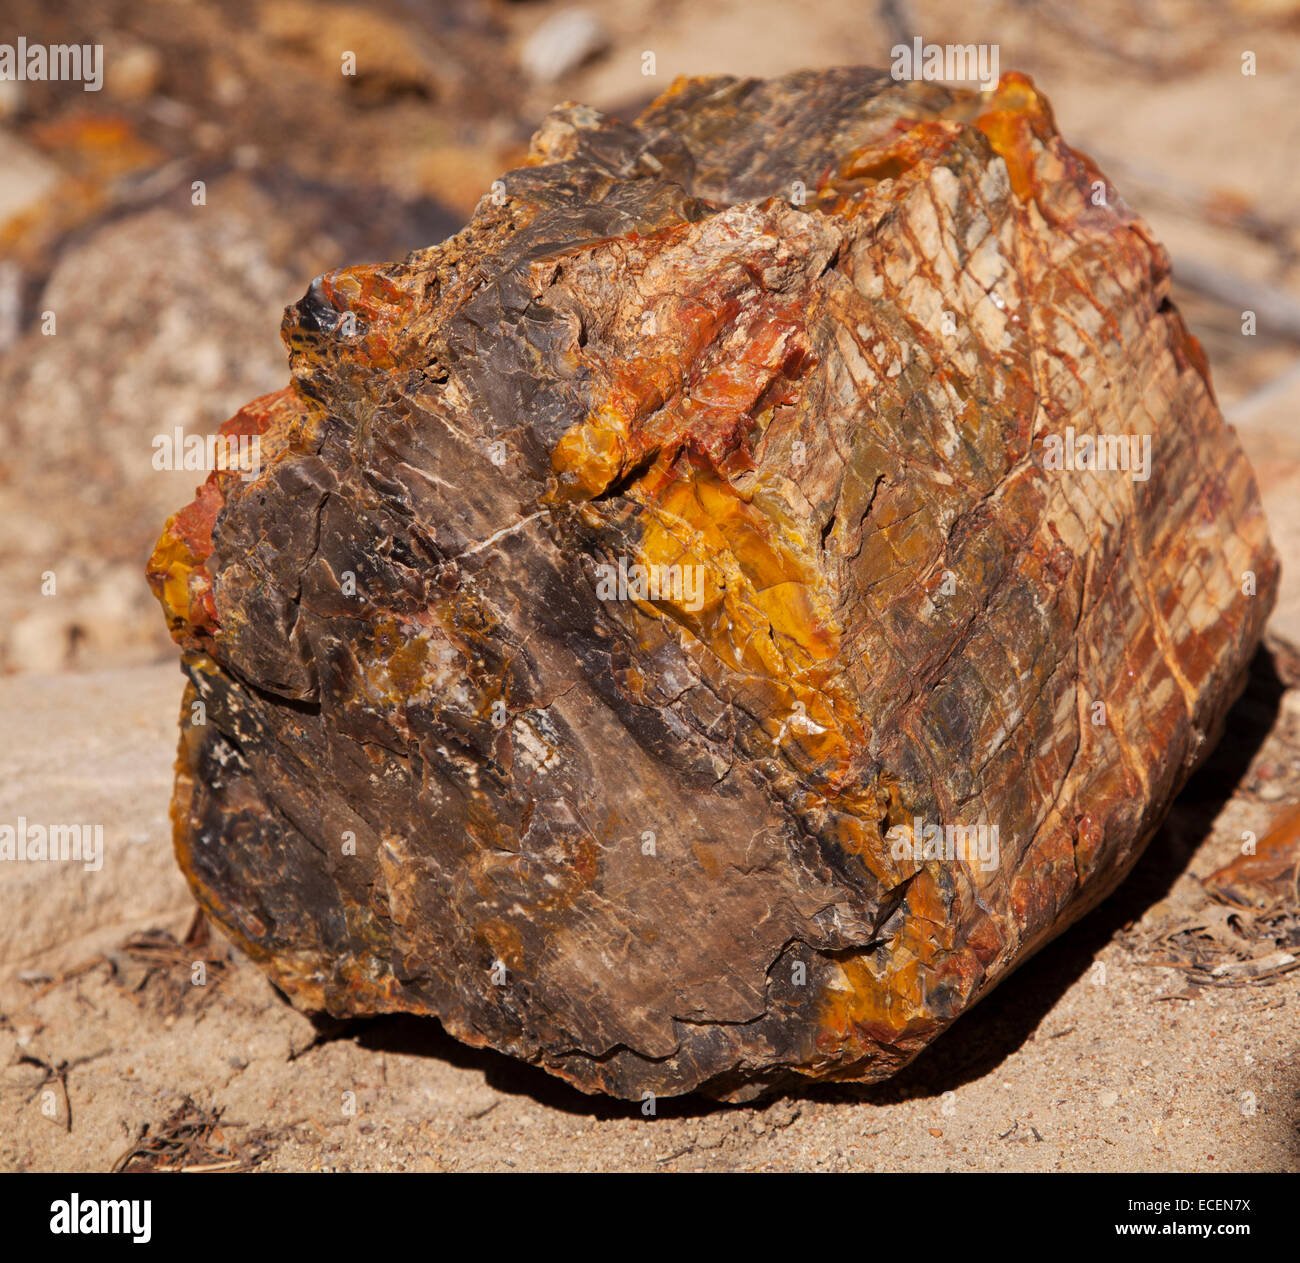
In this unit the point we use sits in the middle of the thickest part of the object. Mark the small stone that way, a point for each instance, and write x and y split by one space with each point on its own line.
132 71
562 43
29 178
11 98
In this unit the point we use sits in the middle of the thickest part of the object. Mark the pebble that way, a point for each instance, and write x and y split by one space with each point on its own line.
562 43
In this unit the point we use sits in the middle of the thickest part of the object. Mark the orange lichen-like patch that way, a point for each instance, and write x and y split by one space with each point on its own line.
1016 123
177 572
765 611
890 995
1016 120
1020 127
909 146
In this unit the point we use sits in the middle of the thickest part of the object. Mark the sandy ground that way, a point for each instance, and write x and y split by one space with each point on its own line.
1094 1056
1091 1057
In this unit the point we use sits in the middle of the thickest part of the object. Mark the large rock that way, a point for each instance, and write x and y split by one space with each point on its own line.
824 357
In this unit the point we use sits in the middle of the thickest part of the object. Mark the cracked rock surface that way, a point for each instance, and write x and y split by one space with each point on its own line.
648 596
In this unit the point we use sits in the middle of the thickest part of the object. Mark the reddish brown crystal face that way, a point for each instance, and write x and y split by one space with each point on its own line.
706 622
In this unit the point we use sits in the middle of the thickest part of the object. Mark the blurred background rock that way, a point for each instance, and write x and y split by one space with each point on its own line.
166 313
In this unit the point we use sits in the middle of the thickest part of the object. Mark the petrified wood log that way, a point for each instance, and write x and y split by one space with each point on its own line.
689 629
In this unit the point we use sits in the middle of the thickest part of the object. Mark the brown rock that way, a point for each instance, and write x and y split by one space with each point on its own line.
824 357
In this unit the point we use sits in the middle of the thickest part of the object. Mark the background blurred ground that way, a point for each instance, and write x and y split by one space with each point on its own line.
167 313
